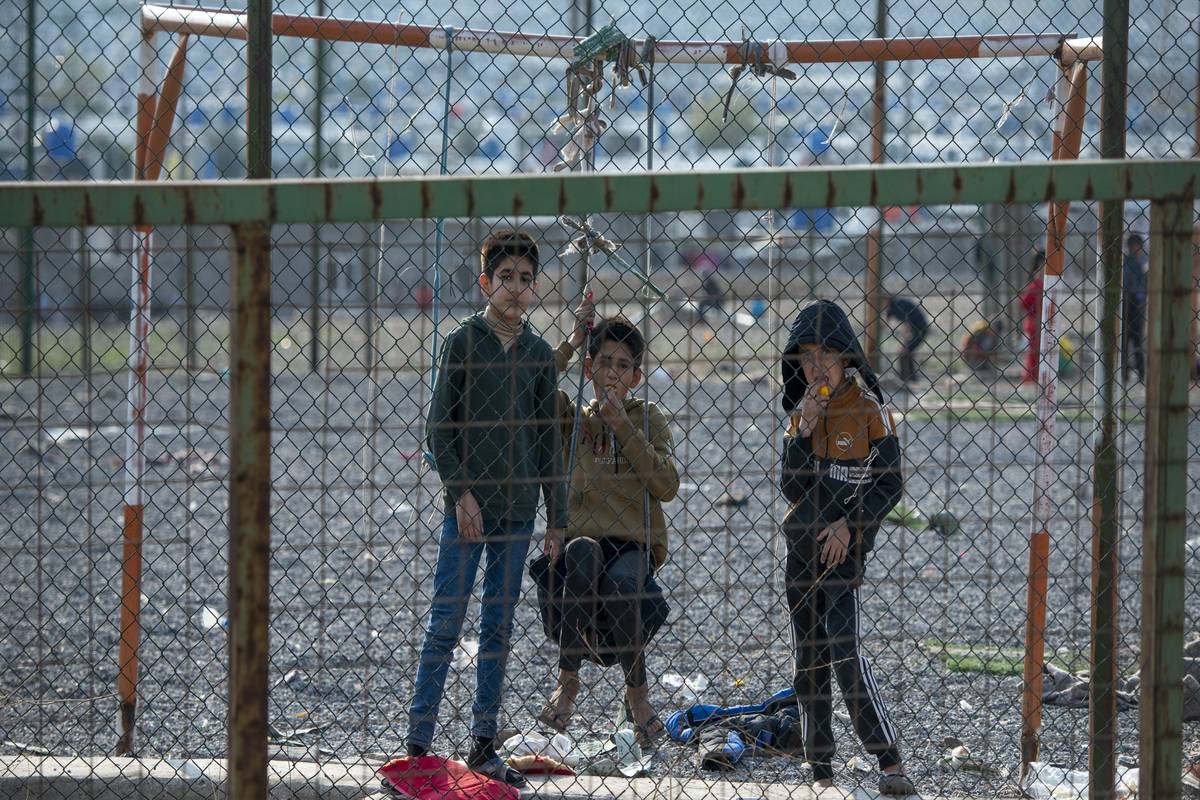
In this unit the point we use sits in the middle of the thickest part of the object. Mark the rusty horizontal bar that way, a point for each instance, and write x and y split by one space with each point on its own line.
63 204
232 25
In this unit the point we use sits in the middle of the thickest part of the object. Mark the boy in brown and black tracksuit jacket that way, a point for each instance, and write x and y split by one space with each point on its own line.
841 475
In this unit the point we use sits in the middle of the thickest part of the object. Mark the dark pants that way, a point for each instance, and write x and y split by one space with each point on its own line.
908 356
825 624
1133 338
611 575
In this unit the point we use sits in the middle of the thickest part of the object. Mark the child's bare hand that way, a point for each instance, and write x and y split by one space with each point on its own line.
585 318
837 543
470 518
612 411
813 406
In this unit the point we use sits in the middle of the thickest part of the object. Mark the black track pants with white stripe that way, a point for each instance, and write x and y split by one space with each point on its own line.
825 621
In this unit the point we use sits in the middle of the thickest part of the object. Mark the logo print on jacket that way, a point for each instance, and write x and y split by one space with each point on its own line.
844 441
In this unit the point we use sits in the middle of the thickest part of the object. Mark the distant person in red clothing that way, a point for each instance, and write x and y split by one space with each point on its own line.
1031 305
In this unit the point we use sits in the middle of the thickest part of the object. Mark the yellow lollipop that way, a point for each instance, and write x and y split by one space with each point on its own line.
823 391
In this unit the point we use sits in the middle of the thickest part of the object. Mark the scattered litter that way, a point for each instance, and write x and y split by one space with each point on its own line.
559 748
208 618
1191 698
1191 777
950 742
858 764
944 523
733 499
843 716
609 768
538 765
290 677
959 756
28 749
185 768
1061 688
58 437
589 749
466 653
685 691
1048 782
1192 648
289 737
743 320
965 706
719 749
625 745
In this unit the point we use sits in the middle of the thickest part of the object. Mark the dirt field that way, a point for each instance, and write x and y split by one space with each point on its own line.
352 559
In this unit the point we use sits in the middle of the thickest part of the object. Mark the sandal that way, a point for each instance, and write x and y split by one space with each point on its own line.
653 729
557 712
497 770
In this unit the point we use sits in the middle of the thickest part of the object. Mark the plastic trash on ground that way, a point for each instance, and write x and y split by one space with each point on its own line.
1048 782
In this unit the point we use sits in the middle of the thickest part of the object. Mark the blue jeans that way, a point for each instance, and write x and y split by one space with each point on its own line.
454 579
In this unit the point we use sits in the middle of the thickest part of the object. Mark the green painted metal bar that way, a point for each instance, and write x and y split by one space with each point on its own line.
1102 701
1163 551
28 257
249 509
307 201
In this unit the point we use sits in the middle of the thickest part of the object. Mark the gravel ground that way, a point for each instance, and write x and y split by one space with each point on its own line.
352 561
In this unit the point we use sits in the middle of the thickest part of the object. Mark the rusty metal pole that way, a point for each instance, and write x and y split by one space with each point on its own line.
1102 756
29 301
250 445
315 247
1163 551
249 510
875 235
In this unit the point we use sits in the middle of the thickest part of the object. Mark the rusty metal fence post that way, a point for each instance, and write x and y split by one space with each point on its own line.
250 444
249 509
1106 563
1170 295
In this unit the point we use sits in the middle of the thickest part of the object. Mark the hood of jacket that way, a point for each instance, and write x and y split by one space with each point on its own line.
826 324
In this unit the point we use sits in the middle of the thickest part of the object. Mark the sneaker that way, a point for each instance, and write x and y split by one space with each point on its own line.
896 785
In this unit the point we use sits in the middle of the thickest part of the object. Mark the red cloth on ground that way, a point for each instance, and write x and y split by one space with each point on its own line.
436 778
1031 304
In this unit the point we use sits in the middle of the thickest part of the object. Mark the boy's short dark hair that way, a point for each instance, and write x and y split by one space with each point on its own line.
507 243
1135 238
621 331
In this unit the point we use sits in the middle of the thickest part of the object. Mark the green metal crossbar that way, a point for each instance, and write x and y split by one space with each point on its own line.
312 201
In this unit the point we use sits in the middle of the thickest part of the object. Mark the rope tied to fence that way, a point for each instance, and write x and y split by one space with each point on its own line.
756 56
590 243
585 82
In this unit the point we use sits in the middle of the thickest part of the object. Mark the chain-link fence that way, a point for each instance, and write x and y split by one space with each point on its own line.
361 312
356 510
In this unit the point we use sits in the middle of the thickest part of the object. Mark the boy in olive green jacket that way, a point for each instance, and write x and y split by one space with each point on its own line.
624 471
494 434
